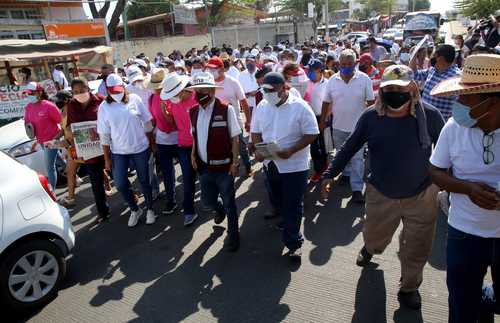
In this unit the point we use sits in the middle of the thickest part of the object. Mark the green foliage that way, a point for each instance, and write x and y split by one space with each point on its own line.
477 8
143 9
419 5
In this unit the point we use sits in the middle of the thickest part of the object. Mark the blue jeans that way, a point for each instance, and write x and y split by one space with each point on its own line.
188 179
245 158
288 192
355 169
120 177
50 164
214 184
166 153
468 258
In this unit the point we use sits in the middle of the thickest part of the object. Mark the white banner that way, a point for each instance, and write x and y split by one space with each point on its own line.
184 16
87 143
12 101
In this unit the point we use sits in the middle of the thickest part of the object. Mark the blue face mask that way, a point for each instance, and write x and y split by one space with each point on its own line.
346 71
461 114
311 76
250 68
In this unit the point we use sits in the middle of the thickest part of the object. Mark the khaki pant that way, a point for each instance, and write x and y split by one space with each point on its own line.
418 214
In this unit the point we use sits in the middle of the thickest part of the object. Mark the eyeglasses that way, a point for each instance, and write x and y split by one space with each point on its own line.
488 155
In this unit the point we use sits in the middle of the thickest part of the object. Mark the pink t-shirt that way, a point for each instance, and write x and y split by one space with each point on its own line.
45 118
158 116
180 111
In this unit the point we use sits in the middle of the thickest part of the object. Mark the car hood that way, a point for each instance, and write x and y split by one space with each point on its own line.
12 135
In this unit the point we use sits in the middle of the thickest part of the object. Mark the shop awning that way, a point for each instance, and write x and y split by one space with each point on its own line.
27 50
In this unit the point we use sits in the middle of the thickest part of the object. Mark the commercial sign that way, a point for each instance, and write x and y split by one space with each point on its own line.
74 30
184 15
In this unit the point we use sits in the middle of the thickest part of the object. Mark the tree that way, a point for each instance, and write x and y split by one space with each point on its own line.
419 5
143 9
477 8
379 6
333 5
103 12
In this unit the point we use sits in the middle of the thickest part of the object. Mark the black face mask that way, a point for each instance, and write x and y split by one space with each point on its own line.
433 61
396 99
203 98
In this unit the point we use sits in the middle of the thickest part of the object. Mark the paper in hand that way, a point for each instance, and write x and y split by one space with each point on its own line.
268 150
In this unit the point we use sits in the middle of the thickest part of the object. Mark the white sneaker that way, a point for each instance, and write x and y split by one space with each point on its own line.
150 217
134 217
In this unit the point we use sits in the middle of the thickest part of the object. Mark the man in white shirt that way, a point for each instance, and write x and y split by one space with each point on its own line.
230 92
215 152
469 146
59 77
248 81
289 123
314 95
348 93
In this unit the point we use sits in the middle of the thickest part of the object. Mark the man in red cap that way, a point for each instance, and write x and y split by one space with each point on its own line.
231 92
366 66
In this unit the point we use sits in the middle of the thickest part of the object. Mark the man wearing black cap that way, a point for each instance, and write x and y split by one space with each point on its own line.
289 122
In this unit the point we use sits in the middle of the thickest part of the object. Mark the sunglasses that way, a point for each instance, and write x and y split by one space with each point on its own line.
488 155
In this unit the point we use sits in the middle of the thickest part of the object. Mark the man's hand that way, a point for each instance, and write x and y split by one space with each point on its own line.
322 125
284 154
108 164
33 147
483 195
234 170
326 186
194 163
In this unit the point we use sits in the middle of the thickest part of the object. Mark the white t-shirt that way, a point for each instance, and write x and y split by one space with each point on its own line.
203 124
315 93
143 93
233 72
125 123
249 84
286 125
461 149
60 78
231 93
348 100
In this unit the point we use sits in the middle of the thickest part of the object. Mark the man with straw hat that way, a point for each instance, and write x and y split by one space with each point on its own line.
399 130
469 146
215 153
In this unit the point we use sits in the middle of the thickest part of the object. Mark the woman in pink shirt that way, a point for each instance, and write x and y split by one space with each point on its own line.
179 101
45 118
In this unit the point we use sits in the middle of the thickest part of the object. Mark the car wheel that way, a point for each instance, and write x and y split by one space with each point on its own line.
31 274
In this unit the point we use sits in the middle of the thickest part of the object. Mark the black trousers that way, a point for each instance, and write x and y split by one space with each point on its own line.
96 175
319 154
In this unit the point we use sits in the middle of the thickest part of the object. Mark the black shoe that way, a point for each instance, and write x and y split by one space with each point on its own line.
171 207
219 217
295 253
357 197
233 244
271 214
364 257
410 299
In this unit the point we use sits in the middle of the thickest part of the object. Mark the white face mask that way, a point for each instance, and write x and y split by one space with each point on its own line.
405 57
82 97
175 99
139 85
272 98
215 73
118 97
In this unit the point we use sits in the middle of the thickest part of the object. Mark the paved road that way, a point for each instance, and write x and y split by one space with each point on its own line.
168 273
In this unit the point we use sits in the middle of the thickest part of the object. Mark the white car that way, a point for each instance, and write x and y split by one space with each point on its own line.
36 236
390 33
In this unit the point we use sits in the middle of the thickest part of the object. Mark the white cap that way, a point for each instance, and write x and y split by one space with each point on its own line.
134 73
33 86
254 52
140 62
114 83
203 80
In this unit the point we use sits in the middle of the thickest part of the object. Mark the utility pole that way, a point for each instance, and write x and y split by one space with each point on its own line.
126 31
327 20
172 17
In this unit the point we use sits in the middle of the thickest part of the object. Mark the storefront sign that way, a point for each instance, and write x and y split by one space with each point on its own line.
76 30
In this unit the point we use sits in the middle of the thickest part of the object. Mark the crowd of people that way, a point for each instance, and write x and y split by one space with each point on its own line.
419 128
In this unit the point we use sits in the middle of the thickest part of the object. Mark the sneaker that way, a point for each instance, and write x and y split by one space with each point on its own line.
150 217
134 217
315 178
444 201
364 257
68 202
170 209
189 219
295 254
357 197
219 217
411 299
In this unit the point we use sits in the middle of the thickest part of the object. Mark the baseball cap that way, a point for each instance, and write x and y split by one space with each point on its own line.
400 75
134 73
315 64
215 62
272 79
365 58
114 84
32 87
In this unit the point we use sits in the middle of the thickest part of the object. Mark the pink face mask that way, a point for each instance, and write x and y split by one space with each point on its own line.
82 97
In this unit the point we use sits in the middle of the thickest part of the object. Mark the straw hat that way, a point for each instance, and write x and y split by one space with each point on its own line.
172 85
157 76
203 80
481 74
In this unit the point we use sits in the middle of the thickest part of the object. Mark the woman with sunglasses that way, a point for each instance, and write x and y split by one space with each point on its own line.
44 118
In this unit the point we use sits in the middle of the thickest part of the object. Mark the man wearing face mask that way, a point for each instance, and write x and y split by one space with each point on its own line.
230 92
288 121
443 68
136 84
215 153
248 81
83 107
348 93
469 146
366 66
399 129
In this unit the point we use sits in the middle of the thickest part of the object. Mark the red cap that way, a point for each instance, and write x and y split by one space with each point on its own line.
366 58
215 62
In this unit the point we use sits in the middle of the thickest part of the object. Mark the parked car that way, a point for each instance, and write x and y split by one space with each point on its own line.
36 236
357 36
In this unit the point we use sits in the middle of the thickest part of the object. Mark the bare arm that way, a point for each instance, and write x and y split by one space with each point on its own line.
305 141
326 110
246 111
107 157
369 103
257 138
235 148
